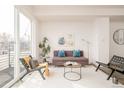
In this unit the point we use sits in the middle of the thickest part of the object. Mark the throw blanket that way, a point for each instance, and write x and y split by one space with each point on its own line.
46 71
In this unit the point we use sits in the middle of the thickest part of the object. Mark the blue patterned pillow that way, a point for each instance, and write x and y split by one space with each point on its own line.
76 53
61 53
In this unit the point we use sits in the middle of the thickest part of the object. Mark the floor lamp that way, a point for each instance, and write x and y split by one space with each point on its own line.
87 42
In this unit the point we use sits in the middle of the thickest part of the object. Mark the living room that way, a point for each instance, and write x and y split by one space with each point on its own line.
94 31
85 28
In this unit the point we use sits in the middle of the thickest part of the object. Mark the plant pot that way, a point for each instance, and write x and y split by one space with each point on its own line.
44 60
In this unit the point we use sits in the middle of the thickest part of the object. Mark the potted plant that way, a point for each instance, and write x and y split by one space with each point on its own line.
45 48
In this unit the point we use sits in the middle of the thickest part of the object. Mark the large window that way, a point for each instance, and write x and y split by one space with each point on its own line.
6 57
24 36
15 43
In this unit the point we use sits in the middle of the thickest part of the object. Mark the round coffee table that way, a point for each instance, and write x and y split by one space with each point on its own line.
72 65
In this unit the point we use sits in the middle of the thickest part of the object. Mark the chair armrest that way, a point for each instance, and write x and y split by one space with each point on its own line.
102 64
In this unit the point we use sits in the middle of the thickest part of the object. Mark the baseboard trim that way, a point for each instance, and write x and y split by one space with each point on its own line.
93 65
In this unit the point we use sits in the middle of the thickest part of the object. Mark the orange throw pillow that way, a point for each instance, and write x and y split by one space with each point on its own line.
27 60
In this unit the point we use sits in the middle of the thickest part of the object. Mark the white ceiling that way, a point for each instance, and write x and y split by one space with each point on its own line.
76 12
65 18
75 6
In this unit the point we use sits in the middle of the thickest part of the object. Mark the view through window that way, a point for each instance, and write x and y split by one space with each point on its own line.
7 48
6 57
25 37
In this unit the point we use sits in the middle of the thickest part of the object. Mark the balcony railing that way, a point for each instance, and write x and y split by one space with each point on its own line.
7 67
7 60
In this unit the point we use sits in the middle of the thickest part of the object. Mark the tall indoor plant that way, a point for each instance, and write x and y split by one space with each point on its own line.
45 48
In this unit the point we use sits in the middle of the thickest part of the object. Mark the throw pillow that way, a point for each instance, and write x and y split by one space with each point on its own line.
61 53
27 60
76 53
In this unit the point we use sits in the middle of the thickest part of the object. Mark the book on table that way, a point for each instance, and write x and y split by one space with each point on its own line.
69 63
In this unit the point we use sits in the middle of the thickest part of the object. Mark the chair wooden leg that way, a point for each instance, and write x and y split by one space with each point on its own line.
110 74
98 67
41 74
23 75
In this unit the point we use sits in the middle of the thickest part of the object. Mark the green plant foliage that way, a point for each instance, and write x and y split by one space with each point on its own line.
45 47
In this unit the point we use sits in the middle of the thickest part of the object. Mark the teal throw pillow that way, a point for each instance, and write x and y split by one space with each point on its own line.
76 53
61 53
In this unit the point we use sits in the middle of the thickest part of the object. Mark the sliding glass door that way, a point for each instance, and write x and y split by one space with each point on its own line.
24 37
14 45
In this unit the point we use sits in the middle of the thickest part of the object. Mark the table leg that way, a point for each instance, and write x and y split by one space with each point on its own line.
80 71
71 69
64 69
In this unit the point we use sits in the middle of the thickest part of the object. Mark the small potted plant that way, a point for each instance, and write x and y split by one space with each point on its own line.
45 48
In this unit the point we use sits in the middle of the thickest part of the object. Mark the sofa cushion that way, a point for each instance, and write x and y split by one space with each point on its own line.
68 53
77 59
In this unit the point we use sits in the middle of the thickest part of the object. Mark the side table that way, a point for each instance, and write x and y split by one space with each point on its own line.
72 65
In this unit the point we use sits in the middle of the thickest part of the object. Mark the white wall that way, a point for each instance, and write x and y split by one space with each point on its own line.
116 49
101 47
79 29
95 30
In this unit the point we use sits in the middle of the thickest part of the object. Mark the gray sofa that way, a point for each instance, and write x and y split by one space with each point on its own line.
59 61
